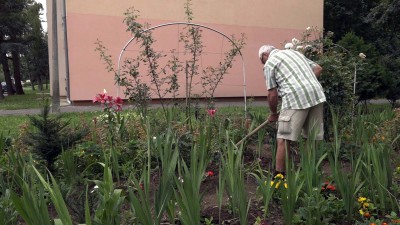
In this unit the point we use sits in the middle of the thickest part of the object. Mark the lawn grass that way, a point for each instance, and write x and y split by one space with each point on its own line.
30 100
10 125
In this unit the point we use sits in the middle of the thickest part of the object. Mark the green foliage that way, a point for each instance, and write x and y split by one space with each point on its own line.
233 175
369 70
51 135
318 209
110 200
348 184
265 189
377 173
8 213
392 78
32 204
56 197
188 193
341 17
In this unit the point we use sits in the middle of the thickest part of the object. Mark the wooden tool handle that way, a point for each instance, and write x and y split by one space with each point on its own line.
252 132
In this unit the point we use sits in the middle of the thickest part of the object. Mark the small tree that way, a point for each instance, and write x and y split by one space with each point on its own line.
370 72
51 135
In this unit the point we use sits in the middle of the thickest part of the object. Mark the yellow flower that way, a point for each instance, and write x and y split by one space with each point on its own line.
362 199
275 184
279 175
365 205
361 212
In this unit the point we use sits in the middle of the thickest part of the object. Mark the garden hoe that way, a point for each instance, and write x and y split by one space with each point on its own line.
253 131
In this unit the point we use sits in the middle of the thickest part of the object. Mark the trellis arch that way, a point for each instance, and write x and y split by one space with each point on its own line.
197 25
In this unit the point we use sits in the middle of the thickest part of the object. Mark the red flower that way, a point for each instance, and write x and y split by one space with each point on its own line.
327 186
211 112
209 174
331 188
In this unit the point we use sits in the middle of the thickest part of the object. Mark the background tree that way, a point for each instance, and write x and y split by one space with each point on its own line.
370 71
22 42
12 27
36 57
384 18
375 23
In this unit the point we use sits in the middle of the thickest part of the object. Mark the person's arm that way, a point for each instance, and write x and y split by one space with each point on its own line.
273 104
317 69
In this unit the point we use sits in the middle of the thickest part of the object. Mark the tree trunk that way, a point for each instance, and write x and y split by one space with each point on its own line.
1 92
7 75
40 84
32 81
17 73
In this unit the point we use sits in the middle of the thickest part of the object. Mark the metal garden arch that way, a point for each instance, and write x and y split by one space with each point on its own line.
197 25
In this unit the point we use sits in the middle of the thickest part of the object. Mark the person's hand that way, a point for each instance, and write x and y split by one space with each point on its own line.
273 117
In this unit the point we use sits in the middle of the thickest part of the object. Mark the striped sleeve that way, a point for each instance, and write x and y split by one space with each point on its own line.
270 78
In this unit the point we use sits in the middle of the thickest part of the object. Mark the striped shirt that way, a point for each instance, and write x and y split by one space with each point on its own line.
291 72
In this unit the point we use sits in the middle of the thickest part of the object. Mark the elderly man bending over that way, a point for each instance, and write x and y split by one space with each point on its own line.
293 77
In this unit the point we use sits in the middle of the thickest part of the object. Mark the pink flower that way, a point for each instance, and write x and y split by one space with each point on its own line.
101 98
108 101
211 112
118 101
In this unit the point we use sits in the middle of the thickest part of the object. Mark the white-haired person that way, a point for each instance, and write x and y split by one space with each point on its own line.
294 78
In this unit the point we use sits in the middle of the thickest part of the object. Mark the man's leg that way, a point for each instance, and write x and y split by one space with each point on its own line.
283 147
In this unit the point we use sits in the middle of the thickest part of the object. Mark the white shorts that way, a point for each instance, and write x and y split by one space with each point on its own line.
309 121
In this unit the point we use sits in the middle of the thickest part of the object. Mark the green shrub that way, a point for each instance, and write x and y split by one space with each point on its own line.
51 135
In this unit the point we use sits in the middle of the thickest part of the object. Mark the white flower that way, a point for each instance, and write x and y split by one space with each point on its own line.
362 55
154 138
300 47
308 29
295 41
104 91
180 179
308 46
289 46
94 189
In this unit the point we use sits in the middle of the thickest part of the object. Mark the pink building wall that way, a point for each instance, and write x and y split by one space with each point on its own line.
262 22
